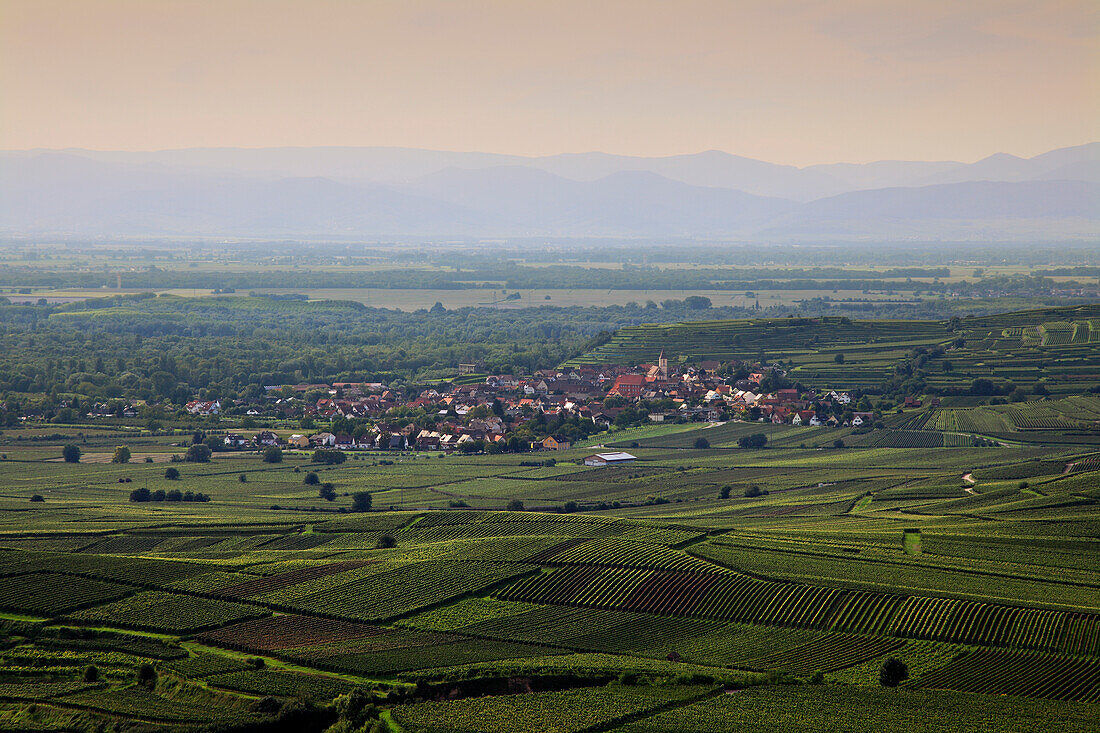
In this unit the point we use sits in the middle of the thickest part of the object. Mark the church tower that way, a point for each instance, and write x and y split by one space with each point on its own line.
662 364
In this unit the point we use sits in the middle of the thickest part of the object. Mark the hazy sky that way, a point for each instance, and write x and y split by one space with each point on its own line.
791 82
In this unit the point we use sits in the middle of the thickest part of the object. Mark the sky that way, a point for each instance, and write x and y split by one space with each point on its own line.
787 81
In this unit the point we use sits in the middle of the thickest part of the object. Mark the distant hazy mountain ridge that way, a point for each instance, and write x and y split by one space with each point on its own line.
363 192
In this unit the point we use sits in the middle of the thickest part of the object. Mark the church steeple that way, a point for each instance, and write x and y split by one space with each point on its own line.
662 364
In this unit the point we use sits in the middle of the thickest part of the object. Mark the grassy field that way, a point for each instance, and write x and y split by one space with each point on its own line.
822 560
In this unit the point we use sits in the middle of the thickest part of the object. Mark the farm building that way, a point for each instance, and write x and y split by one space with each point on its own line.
609 459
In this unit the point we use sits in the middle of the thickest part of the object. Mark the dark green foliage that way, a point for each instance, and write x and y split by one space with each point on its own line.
147 676
515 505
172 473
198 453
329 457
701 443
893 672
756 440
71 453
273 454
361 501
312 479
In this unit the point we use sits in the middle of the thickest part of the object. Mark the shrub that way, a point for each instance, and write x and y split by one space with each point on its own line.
142 494
273 454
172 473
457 504
724 493
312 479
71 453
838 443
753 491
327 493
893 672
243 478
385 542
1023 485
570 507
91 674
38 498
515 505
122 455
174 495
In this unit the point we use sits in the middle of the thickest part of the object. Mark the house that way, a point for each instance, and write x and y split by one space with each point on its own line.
200 407
266 438
629 386
857 421
912 402
555 442
232 440
298 441
323 440
609 459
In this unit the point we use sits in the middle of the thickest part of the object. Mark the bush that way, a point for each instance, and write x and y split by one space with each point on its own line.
570 507
702 443
724 493
893 672
243 478
91 674
457 504
385 542
312 479
71 453
122 455
515 505
1023 485
838 443
327 493
141 495
273 454
361 501
198 453
174 495
753 491
38 498
172 473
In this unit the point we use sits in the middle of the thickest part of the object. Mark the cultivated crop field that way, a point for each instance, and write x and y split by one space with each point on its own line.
696 589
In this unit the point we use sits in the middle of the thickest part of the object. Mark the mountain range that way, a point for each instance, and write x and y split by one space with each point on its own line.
342 193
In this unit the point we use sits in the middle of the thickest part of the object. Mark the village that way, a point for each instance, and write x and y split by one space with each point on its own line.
549 410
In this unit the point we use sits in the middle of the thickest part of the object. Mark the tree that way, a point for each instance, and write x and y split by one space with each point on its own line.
756 440
697 302
838 443
515 505
142 494
243 478
839 358
38 498
893 672
724 493
361 501
172 473
702 443
570 507
328 457
327 492
753 491
71 453
312 479
273 454
147 676
198 453
91 673
122 455
385 542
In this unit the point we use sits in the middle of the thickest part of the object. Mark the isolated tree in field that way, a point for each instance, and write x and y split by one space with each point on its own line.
361 501
839 358
724 493
385 542
172 473
38 498
91 674
147 676
893 672
273 454
515 505
756 440
702 443
122 455
71 453
198 453
570 507
243 478
753 491
312 479
327 493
